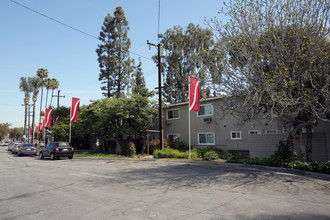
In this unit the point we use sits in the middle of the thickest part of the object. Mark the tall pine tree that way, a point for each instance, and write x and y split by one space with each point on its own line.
113 54
138 82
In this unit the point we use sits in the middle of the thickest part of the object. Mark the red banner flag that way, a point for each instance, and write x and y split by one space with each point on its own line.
48 117
194 94
56 120
31 130
74 109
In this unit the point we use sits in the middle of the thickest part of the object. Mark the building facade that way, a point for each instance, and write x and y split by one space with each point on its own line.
214 127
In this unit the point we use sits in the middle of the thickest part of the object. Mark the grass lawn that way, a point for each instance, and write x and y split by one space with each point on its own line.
96 155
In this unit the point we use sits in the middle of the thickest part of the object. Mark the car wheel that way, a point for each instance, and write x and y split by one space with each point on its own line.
70 157
52 156
41 156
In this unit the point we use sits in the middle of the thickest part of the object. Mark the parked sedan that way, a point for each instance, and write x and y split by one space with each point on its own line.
27 149
10 146
15 148
55 150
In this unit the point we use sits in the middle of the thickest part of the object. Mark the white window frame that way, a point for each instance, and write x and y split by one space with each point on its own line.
206 133
198 115
174 134
237 132
173 110
256 132
271 130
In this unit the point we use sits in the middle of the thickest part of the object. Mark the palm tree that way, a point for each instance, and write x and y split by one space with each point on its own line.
36 84
48 85
25 86
42 74
55 85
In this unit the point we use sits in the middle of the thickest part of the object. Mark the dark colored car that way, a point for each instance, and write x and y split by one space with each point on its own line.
27 149
55 150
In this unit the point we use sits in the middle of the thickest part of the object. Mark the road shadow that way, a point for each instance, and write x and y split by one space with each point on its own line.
172 176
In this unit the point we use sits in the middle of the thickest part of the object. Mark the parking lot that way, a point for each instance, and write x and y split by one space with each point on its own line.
31 188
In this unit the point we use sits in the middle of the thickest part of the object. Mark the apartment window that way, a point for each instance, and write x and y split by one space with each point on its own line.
271 131
254 132
205 110
172 137
173 114
206 138
235 135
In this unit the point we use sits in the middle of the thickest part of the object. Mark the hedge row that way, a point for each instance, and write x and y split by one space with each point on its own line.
172 153
320 167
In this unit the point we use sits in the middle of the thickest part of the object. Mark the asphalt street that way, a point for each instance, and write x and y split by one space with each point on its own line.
31 188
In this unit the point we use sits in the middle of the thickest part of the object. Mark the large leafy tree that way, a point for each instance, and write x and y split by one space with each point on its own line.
15 133
112 118
61 128
191 52
277 56
113 54
26 87
4 130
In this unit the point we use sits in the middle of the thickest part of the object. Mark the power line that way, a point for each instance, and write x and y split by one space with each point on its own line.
53 19
68 26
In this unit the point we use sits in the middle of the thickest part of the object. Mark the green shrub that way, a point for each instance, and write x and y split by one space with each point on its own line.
284 153
172 153
232 155
178 145
320 167
202 152
210 155
155 145
128 149
284 157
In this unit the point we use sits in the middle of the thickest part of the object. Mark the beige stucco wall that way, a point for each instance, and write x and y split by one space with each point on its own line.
261 145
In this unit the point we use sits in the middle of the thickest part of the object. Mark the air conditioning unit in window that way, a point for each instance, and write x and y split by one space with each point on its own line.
207 120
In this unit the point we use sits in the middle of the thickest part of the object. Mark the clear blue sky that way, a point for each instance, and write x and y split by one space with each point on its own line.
29 41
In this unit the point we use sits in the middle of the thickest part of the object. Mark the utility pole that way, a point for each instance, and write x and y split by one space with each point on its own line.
161 53
58 98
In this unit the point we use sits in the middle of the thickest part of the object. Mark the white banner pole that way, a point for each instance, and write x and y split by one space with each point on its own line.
70 122
189 117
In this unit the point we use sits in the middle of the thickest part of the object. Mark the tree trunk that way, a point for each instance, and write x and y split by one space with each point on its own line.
42 91
51 98
25 119
301 146
109 86
33 120
46 100
309 135
144 144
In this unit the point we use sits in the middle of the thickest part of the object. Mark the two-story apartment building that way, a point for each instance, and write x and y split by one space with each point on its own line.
211 127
